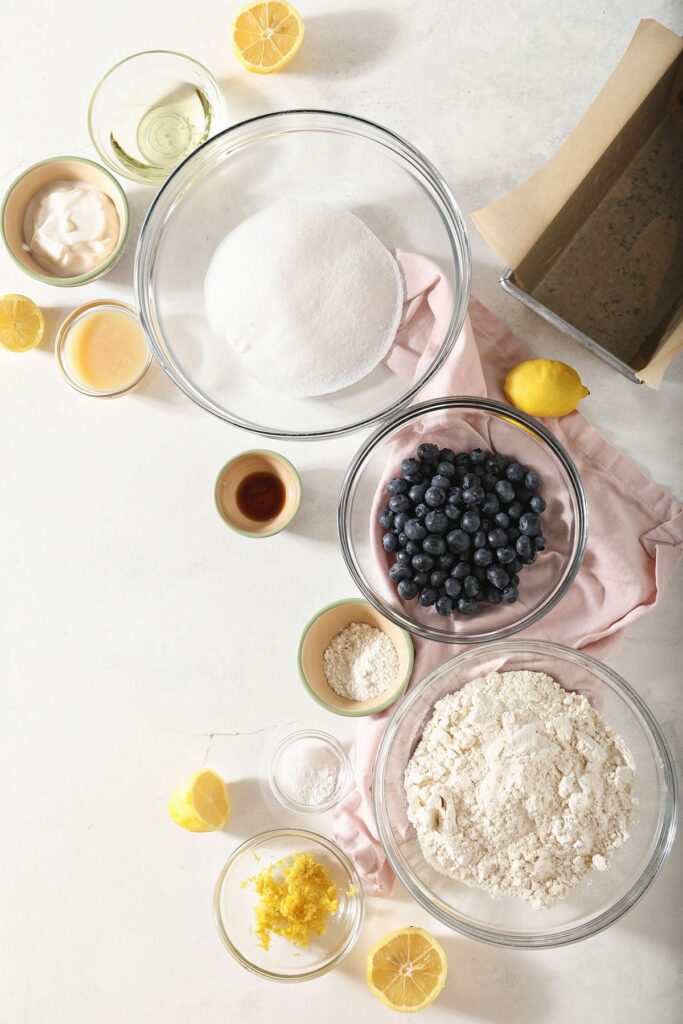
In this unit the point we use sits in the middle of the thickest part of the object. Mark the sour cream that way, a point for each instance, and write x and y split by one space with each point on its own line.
70 228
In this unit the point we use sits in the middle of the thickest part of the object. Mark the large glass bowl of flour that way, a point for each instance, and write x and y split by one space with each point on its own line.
326 157
602 897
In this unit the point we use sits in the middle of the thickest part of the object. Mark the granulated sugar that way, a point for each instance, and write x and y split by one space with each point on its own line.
307 296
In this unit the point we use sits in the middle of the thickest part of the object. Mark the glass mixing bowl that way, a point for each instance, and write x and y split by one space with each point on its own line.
299 154
233 907
463 424
603 897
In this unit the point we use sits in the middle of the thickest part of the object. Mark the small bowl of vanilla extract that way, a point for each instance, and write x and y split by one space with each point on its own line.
258 493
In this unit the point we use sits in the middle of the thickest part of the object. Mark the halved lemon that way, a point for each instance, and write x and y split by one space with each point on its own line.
407 969
201 804
21 323
265 36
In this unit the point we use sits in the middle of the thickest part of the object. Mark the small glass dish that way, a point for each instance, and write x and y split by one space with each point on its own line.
151 110
463 424
302 739
234 903
603 896
62 348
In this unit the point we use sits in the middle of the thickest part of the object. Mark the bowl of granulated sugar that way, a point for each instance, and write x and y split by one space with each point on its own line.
353 661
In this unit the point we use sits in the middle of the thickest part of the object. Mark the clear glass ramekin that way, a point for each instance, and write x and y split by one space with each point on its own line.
603 897
463 424
233 907
61 346
278 782
327 156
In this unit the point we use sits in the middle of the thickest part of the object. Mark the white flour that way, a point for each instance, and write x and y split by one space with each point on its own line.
307 296
519 788
360 662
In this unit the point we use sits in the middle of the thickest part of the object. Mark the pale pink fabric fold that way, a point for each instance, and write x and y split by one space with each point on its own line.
635 526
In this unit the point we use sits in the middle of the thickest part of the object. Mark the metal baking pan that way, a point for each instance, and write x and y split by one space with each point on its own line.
508 285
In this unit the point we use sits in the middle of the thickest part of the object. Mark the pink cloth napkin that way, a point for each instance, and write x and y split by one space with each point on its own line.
635 527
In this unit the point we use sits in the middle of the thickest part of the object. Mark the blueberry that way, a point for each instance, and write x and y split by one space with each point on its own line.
452 513
446 561
399 503
446 455
540 543
506 554
515 565
467 605
461 570
514 579
497 538
455 496
436 521
505 491
435 497
490 504
480 572
488 481
502 519
403 558
410 467
420 511
471 586
509 594
528 559
471 480
478 456
453 587
434 545
400 520
423 562
403 541
532 480
461 471
458 541
407 590
428 596
470 522
390 542
413 548
417 493
498 462
515 510
438 578
446 469
515 473
513 533
386 518
530 524
483 557
523 495
415 530
428 452
472 496
480 539
444 606
486 524
444 482
397 486
421 579
493 595
523 546
496 574
537 503
400 572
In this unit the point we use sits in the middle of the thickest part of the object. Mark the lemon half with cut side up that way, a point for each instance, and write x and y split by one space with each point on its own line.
201 804
407 969
21 323
265 36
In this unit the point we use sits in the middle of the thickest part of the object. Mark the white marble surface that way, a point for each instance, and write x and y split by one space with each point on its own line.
136 640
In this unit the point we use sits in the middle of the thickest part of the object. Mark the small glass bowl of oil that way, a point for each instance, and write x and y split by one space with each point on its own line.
151 111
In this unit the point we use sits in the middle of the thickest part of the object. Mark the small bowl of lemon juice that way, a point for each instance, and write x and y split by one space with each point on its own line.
151 111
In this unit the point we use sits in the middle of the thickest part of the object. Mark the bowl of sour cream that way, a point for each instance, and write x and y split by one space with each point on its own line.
65 221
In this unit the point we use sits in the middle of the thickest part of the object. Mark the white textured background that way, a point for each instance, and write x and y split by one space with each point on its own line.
139 638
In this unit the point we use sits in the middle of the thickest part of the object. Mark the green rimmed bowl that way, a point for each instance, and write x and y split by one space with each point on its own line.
37 177
316 637
231 475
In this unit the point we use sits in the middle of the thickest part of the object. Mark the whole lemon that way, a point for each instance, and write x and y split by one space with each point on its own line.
544 387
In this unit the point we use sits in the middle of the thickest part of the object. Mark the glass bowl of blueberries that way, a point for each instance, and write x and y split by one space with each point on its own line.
463 520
